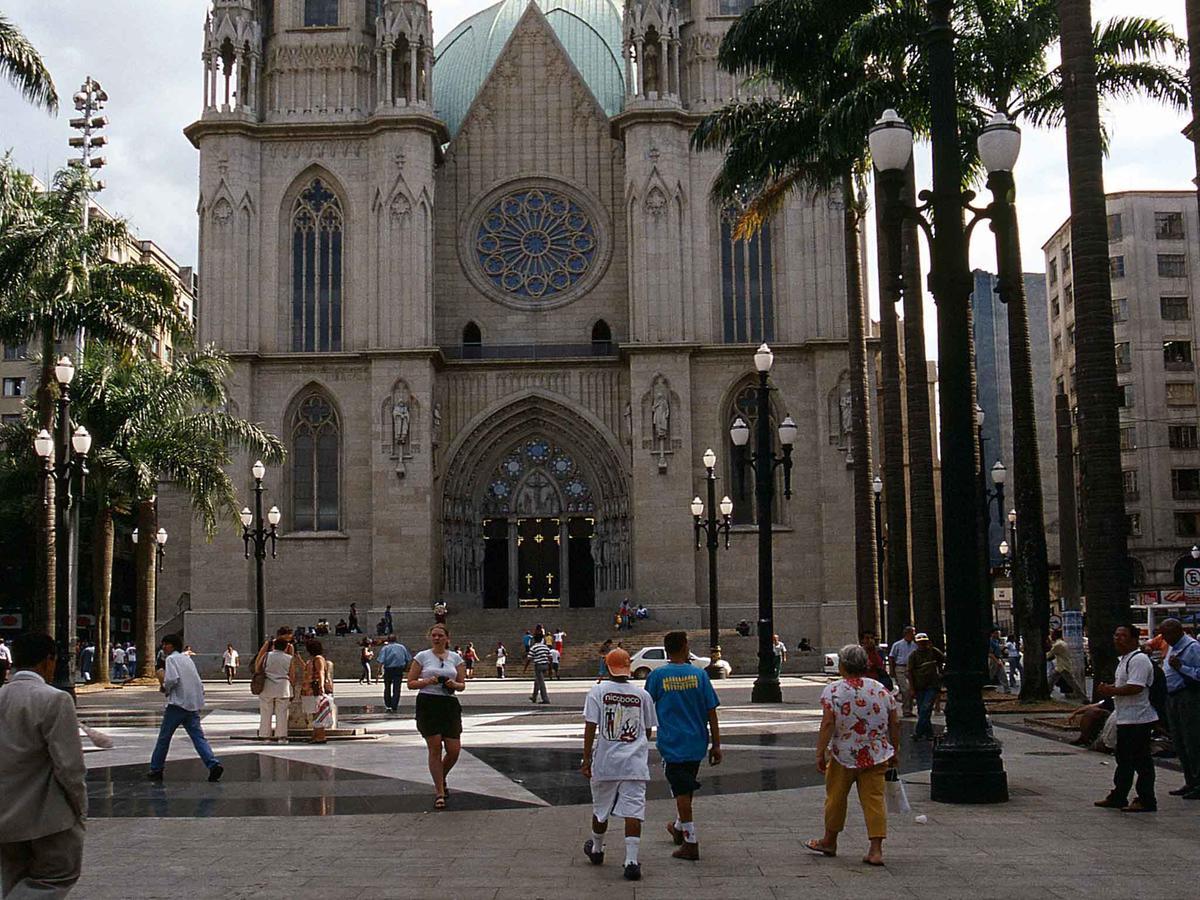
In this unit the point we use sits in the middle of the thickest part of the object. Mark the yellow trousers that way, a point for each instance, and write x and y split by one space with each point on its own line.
838 781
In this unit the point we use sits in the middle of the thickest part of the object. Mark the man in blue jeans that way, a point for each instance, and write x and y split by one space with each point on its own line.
925 680
185 698
395 659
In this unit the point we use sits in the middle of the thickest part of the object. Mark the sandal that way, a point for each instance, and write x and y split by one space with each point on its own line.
439 802
817 847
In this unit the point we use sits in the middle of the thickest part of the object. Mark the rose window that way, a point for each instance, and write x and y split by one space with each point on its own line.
535 243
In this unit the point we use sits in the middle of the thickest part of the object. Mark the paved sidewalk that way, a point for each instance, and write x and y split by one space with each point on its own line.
1048 841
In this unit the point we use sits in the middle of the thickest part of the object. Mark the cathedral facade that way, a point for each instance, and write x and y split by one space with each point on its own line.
479 288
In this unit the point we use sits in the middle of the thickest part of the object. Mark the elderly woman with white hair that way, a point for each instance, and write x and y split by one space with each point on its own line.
857 744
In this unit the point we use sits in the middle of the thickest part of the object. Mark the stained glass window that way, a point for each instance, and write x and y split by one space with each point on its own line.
747 285
317 270
534 244
316 436
319 13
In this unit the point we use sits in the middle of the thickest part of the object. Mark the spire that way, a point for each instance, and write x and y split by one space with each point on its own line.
232 58
404 53
651 49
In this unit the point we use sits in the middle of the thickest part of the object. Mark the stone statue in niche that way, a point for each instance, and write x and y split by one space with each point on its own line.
657 404
846 416
661 410
627 437
401 419
437 424
397 415
841 413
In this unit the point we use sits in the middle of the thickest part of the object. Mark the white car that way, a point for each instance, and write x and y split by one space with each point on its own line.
830 667
646 660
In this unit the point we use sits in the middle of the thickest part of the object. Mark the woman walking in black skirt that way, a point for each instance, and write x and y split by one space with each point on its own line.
437 674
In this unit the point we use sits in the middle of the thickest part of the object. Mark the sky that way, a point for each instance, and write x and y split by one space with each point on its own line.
146 54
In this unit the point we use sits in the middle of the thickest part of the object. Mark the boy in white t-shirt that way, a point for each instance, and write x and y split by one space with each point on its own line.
619 717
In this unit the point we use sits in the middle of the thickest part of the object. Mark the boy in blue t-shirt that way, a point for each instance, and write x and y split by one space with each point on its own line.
687 712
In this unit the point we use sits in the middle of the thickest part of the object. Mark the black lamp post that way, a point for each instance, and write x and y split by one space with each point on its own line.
160 551
64 459
713 529
258 536
880 545
967 764
764 462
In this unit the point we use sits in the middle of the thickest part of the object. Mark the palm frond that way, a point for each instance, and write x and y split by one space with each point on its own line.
21 65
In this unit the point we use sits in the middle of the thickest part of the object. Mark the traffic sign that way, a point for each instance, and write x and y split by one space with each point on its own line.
1191 582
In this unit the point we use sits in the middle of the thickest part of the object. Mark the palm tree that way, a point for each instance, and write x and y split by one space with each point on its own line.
1001 48
779 144
152 422
49 292
23 67
1103 539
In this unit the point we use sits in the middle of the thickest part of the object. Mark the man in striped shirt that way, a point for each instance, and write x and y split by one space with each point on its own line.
539 655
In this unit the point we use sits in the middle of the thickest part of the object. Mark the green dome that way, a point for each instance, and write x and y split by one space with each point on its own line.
590 30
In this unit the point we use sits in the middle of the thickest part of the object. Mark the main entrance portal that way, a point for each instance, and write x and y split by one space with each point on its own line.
539 517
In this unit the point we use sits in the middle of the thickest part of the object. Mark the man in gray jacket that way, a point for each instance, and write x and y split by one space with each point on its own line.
42 779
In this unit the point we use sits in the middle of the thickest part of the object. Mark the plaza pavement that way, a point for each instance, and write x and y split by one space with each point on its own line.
1048 841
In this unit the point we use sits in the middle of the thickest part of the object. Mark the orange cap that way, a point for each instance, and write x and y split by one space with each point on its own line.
617 661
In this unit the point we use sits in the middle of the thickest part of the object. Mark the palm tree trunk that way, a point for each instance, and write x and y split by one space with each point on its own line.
102 575
926 560
1031 571
899 608
1106 576
1192 8
45 612
860 413
146 575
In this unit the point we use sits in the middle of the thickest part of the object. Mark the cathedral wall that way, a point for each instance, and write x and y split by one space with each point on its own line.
533 119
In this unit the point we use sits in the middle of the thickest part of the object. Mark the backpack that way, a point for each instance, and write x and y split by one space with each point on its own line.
1157 688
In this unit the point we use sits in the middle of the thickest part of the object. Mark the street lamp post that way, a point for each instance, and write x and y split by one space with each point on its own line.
160 551
764 462
258 536
713 529
64 460
967 763
880 544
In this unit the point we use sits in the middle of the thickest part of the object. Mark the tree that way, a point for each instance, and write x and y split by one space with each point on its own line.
57 282
776 145
1001 51
23 67
149 422
1104 551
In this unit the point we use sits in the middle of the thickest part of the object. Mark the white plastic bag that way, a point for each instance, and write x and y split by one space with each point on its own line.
895 795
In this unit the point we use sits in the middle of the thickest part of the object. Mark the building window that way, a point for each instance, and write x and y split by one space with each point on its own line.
1133 524
747 294
14 387
1185 484
1116 267
320 13
1172 265
601 338
1175 309
1187 524
1182 437
1060 385
1053 271
1054 308
317 270
1129 481
1126 395
1124 357
1069 295
1181 393
1114 227
733 7
1168 226
15 352
472 341
1071 378
1071 335
1120 310
316 436
1057 346
1129 437
1177 355
1065 256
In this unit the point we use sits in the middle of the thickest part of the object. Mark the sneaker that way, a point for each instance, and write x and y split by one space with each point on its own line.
675 833
633 872
596 858
688 851
155 776
215 773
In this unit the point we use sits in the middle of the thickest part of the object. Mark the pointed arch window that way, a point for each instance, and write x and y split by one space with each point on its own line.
747 284
316 444
317 227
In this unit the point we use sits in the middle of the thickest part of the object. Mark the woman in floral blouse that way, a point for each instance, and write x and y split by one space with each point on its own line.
857 744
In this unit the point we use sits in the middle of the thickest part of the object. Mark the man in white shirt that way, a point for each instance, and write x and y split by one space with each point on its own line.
131 660
185 698
5 660
118 663
42 780
1135 721
898 656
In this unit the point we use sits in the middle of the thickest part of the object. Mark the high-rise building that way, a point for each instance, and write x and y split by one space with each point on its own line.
994 387
1154 265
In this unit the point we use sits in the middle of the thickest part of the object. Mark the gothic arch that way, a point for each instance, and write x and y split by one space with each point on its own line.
295 421
739 400
534 455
